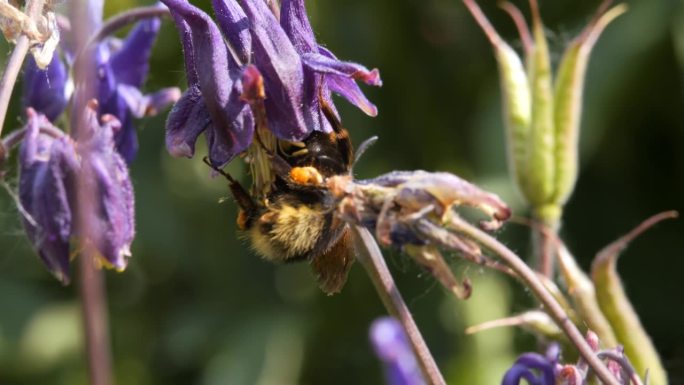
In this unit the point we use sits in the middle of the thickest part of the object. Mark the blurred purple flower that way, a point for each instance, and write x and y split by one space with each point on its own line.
120 68
295 73
119 72
49 168
392 347
112 222
45 90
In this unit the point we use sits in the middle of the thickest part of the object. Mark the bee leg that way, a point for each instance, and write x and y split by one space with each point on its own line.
241 196
279 165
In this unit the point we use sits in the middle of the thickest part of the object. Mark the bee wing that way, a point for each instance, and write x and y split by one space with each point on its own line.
332 267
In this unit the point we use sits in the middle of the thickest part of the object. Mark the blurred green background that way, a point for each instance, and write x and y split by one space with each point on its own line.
197 307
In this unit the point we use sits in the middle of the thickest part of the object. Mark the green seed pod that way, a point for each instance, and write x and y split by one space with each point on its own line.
618 309
568 98
542 117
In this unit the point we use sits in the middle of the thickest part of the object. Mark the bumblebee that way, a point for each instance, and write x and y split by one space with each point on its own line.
294 220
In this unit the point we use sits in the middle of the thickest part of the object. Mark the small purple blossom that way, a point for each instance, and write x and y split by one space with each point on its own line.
534 368
297 75
392 347
49 170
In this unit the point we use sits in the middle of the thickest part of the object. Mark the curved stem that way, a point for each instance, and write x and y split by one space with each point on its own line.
533 283
372 260
123 19
15 137
9 77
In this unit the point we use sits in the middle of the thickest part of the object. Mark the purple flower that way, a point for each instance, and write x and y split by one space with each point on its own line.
294 70
391 346
45 90
49 170
534 368
120 70
525 367
212 103
121 73
111 222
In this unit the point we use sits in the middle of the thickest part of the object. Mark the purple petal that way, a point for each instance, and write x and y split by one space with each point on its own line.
230 116
126 140
391 346
130 64
111 223
281 67
235 27
46 170
114 220
328 65
147 105
347 87
295 22
225 142
45 90
187 120
523 369
188 50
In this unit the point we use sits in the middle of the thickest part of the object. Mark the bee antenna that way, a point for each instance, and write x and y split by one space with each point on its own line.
365 145
218 170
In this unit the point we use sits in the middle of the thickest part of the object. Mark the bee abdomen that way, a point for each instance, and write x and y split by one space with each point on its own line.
288 233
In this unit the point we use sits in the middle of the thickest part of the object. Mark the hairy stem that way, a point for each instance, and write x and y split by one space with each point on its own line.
372 260
85 15
9 77
531 280
93 302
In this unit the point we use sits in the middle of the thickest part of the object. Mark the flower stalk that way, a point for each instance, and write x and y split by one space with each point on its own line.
21 48
370 256
532 281
91 288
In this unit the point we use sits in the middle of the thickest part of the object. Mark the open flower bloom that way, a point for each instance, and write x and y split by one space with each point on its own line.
49 170
121 69
282 59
